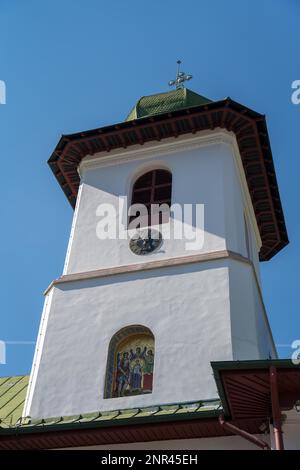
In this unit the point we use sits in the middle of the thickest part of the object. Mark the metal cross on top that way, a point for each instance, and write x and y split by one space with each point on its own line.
180 78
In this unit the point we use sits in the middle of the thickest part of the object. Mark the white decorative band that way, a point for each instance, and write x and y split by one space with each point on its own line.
163 263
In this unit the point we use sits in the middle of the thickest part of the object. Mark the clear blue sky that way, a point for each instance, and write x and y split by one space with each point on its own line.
72 65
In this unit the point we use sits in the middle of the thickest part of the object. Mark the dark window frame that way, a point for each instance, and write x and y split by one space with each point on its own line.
152 186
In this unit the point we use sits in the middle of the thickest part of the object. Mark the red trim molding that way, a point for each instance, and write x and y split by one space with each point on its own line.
187 429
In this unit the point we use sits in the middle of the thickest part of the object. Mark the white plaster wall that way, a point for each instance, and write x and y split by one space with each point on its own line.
204 173
265 340
186 308
198 313
38 349
197 178
233 205
253 247
290 429
251 333
213 443
235 212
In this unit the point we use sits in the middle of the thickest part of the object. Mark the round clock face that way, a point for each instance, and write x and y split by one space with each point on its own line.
145 241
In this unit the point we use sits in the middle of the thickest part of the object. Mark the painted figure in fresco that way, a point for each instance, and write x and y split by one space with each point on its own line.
148 370
123 372
139 354
134 372
136 376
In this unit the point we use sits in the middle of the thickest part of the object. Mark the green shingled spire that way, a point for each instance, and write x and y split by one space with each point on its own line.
166 102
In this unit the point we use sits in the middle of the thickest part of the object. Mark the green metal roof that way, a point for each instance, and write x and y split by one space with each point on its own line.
158 413
166 102
12 398
13 393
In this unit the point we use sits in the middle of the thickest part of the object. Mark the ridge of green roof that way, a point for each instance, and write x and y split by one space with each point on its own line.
166 102
155 413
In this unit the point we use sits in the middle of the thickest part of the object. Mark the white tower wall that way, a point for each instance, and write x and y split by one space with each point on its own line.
199 310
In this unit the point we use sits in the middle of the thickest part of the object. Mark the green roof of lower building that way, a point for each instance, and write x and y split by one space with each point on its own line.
13 393
155 413
166 102
12 398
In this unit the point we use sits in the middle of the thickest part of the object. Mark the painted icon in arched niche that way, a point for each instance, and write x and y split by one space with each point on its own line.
134 366
130 362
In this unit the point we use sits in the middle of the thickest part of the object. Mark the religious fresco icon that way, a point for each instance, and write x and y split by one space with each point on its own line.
134 362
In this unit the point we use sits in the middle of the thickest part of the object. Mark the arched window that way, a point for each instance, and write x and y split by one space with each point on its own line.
153 187
130 362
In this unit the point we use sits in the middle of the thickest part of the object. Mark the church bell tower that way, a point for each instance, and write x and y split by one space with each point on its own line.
148 299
